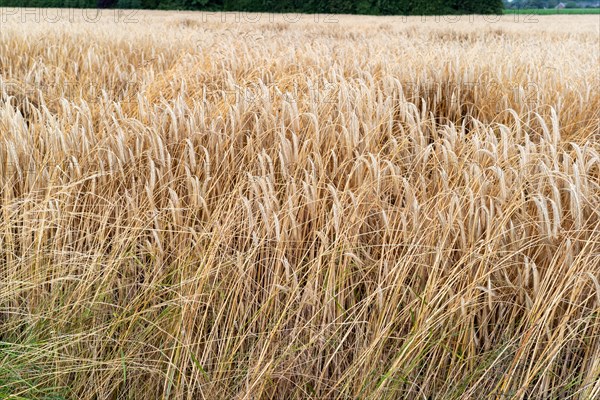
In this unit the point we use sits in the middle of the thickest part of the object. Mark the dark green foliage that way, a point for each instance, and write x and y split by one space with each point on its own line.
369 7
394 7
430 7
129 4
477 6
108 4
340 6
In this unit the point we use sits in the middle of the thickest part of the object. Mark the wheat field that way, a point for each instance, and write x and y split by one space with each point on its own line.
209 206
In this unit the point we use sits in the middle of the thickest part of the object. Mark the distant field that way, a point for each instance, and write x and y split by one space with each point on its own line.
555 12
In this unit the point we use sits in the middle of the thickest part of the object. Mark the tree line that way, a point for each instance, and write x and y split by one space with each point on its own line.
368 7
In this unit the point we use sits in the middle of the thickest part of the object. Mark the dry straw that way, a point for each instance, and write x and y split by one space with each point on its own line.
374 209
